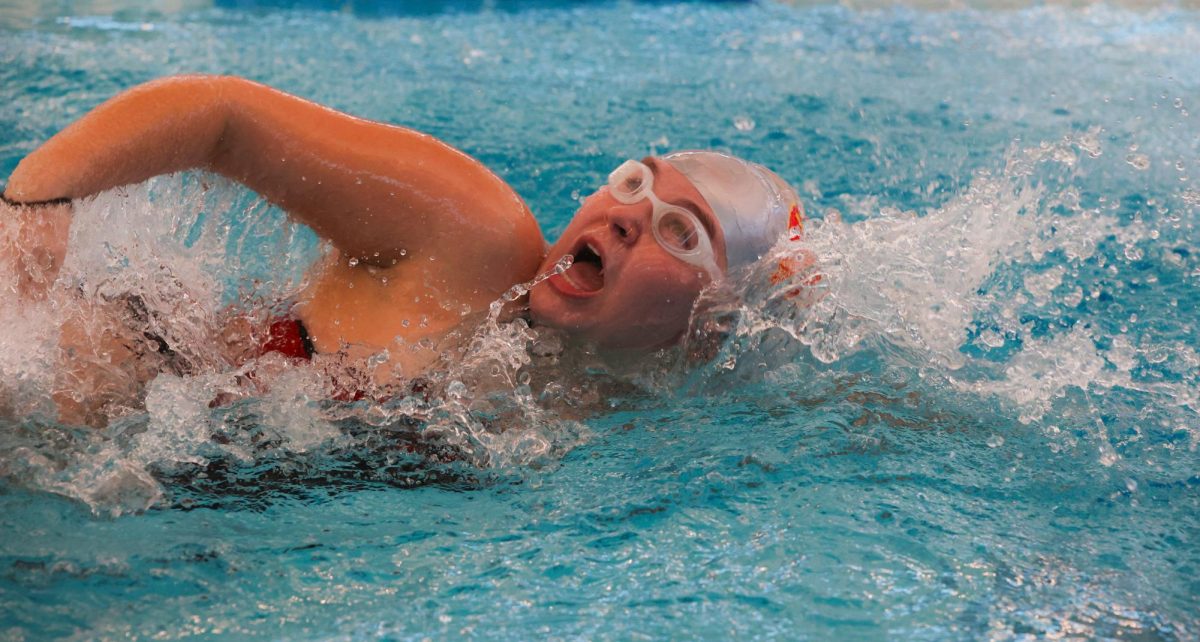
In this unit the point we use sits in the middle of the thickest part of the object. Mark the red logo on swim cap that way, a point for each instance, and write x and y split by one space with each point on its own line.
795 222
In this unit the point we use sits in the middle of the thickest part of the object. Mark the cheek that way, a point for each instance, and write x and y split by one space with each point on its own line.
661 276
660 292
657 297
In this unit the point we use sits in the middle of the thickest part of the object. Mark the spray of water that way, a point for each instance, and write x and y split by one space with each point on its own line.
993 295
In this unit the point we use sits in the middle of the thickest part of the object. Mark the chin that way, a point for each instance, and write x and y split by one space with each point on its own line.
589 324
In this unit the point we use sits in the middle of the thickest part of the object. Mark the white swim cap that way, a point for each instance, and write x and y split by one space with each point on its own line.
755 207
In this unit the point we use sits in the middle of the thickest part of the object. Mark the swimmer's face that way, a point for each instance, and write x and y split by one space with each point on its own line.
624 290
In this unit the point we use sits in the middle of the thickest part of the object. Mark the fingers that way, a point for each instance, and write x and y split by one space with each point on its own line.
802 274
33 245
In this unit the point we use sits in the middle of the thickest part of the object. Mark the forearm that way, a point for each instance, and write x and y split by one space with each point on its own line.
157 128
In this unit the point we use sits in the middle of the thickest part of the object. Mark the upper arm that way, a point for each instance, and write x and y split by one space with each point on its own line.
378 192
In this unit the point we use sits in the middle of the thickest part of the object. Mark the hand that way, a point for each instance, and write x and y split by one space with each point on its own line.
801 272
33 244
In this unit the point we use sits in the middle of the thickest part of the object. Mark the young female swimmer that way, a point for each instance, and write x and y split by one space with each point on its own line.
390 199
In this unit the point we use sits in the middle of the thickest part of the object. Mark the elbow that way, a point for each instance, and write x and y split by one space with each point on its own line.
223 105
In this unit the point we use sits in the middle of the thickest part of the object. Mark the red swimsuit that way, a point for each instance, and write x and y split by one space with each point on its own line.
288 336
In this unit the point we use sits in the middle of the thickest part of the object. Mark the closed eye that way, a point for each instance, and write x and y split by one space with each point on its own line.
700 215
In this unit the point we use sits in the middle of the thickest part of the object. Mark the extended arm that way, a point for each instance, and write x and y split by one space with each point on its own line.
378 192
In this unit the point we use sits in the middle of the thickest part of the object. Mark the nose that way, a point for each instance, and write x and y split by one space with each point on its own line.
626 224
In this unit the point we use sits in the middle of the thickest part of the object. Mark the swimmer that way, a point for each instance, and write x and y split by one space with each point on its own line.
418 229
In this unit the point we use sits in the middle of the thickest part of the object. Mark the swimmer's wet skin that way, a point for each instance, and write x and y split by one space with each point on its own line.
968 436
420 229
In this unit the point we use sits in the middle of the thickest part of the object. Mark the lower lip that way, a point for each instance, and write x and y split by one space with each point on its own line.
564 287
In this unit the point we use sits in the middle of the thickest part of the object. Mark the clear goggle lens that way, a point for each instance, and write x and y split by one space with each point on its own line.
676 229
629 182
679 231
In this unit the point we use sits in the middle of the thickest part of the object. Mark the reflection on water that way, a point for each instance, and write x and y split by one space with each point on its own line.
18 14
22 14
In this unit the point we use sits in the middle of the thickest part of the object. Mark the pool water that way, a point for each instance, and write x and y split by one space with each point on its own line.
983 426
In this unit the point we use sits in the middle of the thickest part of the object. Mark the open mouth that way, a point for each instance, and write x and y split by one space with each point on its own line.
586 274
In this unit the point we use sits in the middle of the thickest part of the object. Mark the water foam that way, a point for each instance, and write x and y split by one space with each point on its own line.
992 294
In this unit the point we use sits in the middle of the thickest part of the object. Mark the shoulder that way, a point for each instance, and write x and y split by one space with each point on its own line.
494 244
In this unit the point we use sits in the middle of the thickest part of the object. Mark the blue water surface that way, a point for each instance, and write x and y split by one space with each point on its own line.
1025 470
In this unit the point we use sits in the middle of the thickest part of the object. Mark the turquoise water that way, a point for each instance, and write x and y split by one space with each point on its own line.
986 427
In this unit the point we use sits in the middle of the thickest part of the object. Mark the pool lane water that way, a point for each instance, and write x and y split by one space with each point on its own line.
987 430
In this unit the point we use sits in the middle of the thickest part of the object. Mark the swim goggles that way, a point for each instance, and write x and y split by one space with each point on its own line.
676 229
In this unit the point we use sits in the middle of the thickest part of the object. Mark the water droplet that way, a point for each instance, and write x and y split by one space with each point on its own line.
995 441
1138 161
403 252
743 123
352 262
1107 456
992 338
404 323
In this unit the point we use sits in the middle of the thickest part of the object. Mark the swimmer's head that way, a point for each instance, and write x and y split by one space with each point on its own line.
646 245
754 206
